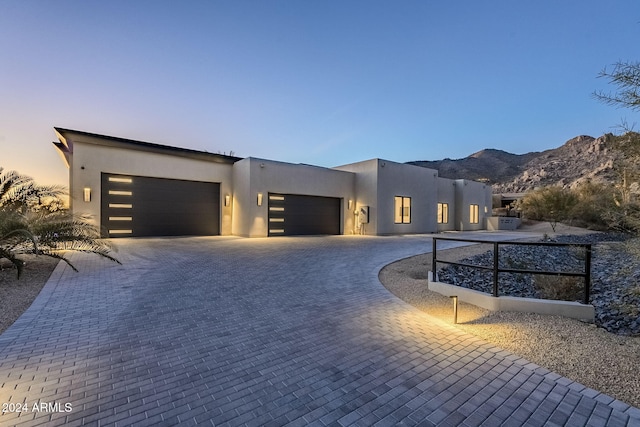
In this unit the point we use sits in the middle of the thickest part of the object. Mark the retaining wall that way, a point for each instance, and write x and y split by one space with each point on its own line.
574 310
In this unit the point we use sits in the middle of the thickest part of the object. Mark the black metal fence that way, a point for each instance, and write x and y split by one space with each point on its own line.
586 274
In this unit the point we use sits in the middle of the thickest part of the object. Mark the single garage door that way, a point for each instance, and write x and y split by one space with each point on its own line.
293 214
138 206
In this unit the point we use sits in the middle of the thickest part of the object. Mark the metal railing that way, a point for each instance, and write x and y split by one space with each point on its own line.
586 274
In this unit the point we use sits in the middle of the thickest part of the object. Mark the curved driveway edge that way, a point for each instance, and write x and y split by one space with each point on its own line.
281 331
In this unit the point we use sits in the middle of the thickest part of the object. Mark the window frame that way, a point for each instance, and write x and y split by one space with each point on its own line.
474 214
402 215
443 213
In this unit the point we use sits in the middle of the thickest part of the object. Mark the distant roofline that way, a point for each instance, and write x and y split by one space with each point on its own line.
118 142
512 195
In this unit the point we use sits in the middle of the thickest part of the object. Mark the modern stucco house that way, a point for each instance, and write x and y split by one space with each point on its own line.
133 188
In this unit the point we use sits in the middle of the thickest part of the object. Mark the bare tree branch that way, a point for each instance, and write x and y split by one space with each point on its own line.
626 77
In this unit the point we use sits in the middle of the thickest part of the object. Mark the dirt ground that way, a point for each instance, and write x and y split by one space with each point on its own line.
16 295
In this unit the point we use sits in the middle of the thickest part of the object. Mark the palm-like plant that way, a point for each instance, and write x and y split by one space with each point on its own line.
32 220
7 248
20 193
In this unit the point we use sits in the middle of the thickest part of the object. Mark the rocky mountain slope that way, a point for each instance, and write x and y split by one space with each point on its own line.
583 158
486 165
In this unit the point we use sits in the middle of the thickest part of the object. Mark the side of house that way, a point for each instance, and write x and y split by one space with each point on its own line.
132 188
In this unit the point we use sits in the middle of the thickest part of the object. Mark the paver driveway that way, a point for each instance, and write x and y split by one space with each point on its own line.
231 331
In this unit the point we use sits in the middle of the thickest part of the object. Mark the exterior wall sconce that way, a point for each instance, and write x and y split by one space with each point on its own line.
227 200
259 199
350 204
87 194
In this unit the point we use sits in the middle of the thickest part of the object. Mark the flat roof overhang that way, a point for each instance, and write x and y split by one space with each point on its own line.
67 136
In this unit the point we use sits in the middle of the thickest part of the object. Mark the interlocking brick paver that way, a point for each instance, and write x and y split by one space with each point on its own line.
255 332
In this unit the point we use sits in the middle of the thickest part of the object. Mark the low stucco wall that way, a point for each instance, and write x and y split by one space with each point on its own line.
574 310
495 223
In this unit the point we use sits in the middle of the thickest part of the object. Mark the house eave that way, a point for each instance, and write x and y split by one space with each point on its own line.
67 136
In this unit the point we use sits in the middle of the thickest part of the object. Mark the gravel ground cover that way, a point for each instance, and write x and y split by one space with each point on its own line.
577 350
615 289
16 295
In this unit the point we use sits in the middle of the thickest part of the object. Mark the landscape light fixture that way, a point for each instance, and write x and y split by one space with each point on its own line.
259 199
455 308
87 194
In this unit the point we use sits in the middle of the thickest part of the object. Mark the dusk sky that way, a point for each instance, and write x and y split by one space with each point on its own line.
319 82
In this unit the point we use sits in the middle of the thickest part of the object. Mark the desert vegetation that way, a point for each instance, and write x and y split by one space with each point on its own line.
605 205
34 220
595 205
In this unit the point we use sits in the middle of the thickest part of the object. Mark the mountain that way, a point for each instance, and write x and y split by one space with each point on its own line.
488 165
580 159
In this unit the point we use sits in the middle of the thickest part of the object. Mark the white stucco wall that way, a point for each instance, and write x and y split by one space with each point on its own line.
378 181
268 176
468 193
90 160
365 193
397 179
243 207
447 194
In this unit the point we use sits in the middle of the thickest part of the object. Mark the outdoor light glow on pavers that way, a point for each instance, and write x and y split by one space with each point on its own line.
256 332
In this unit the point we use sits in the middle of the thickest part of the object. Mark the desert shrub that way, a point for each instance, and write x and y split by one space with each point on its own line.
624 217
552 204
627 309
590 205
562 288
594 200
33 220
632 247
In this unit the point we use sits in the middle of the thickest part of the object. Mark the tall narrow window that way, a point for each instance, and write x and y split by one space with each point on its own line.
402 210
474 214
443 213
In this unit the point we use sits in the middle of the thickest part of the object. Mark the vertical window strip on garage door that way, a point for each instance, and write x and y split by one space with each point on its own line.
120 202
276 214
299 214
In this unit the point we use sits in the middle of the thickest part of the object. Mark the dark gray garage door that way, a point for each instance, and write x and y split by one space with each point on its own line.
136 206
292 214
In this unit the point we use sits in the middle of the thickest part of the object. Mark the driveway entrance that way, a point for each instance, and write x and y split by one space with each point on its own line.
255 332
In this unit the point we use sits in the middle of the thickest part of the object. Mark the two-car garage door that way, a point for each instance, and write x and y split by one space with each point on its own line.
136 206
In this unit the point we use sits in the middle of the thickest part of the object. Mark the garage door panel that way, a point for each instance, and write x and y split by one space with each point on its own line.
159 207
292 214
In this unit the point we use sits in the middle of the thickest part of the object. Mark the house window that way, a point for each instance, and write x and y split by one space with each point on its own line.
402 210
474 217
443 213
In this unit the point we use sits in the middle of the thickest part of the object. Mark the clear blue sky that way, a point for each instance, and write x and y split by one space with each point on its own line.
320 82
